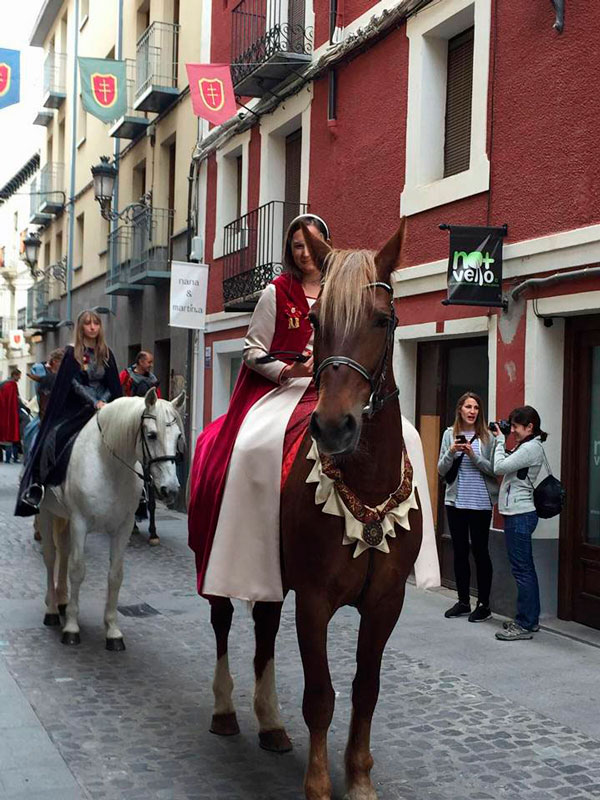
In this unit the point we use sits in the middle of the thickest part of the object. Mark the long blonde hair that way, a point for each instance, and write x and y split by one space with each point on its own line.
101 351
481 430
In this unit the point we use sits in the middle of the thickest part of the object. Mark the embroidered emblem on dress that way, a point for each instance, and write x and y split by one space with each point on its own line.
373 529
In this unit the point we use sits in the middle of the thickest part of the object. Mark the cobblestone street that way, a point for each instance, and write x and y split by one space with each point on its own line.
460 717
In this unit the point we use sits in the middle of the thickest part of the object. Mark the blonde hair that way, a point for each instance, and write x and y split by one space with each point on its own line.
345 294
101 351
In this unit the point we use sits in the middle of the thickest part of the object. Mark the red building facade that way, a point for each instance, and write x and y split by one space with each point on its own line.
467 112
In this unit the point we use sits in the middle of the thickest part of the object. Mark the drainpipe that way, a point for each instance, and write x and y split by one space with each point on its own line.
558 277
74 113
116 154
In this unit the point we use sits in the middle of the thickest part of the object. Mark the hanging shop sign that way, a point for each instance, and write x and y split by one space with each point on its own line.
189 286
475 265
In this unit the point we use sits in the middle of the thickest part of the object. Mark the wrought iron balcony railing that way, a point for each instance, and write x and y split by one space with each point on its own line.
41 311
134 122
151 248
269 41
47 193
22 318
252 250
55 79
7 324
118 280
156 67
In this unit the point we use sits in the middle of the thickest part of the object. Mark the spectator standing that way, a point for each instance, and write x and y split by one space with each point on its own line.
465 463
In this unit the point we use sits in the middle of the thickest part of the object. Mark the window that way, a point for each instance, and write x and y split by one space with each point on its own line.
449 52
232 192
78 253
459 93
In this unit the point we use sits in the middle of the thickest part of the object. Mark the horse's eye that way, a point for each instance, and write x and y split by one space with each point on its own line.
381 322
152 435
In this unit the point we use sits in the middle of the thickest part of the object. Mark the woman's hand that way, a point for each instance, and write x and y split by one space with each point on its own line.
466 448
100 404
299 369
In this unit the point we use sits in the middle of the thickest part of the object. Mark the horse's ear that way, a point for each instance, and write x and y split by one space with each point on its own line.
150 398
388 258
317 247
179 402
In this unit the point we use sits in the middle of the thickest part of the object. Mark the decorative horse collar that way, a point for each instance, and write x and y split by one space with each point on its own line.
365 526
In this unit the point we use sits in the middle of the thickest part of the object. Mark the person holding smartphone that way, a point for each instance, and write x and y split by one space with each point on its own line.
465 464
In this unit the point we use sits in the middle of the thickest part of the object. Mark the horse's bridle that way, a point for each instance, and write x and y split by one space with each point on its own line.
147 458
376 400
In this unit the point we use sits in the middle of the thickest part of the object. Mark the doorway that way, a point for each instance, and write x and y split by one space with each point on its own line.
446 370
579 568
162 366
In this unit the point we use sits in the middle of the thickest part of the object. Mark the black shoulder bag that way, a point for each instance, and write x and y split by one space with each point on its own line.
450 476
549 496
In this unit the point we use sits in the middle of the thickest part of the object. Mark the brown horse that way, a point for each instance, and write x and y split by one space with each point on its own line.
359 436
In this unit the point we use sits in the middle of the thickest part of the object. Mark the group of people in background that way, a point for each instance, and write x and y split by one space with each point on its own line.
479 473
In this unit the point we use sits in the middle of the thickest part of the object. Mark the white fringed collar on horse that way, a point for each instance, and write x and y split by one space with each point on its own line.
357 430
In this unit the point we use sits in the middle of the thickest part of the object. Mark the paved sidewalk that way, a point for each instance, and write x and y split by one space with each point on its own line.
461 715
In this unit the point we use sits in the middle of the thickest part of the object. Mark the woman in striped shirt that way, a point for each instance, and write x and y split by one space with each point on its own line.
465 464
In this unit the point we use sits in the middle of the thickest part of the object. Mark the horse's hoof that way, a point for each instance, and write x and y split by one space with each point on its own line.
224 724
62 609
51 620
153 541
115 645
276 741
69 637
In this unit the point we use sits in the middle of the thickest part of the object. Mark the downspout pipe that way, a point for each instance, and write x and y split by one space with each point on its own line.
74 113
112 253
558 277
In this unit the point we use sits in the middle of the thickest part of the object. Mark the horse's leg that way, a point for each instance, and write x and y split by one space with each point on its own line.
271 733
118 543
153 538
78 533
51 616
224 720
376 625
312 618
60 531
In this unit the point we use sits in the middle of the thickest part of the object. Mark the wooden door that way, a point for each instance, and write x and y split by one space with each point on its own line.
579 581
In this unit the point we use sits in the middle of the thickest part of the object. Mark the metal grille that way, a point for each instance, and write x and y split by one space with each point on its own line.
253 248
459 92
156 63
119 256
264 28
55 73
52 178
151 234
131 69
22 318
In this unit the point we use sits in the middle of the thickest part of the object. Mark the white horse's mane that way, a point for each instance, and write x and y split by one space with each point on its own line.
120 421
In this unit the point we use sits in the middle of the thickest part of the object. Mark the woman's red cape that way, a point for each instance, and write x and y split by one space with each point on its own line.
9 412
215 443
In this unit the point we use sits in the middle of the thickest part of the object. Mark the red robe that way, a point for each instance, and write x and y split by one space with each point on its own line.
215 443
9 412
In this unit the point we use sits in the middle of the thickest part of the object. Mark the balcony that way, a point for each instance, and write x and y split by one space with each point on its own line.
36 216
252 252
156 67
133 123
43 118
119 262
55 80
151 248
269 42
22 318
7 324
52 188
41 311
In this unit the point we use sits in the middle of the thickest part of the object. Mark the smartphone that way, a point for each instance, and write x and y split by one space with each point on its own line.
461 439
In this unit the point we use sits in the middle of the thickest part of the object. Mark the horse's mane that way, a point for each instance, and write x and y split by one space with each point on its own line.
344 296
121 419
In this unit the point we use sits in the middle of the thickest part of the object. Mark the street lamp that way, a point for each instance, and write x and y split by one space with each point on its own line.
32 244
105 175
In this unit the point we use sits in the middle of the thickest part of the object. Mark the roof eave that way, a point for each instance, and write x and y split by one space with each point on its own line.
48 13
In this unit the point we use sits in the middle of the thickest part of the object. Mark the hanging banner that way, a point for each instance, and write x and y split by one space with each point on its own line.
189 286
16 340
103 87
10 77
212 91
475 266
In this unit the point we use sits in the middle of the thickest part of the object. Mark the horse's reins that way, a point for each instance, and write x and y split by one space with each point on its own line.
147 458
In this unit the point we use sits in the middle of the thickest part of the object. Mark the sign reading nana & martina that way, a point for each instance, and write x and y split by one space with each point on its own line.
475 266
189 284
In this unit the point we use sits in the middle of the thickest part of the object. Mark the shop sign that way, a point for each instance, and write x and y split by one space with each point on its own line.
475 266
189 285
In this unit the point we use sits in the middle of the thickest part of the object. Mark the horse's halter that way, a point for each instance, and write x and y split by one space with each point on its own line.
376 401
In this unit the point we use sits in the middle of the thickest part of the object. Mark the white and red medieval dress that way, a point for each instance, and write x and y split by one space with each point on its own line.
235 485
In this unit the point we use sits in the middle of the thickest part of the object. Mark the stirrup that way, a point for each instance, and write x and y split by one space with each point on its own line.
34 495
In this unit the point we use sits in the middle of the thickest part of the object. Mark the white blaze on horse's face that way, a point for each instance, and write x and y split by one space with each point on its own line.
162 443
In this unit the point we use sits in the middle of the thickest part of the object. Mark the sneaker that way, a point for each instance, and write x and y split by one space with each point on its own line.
505 625
512 632
480 614
458 610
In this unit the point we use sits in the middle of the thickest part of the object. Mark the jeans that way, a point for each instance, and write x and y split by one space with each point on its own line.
465 522
518 530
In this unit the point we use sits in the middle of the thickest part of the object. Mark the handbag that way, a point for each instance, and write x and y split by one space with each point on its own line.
549 496
450 476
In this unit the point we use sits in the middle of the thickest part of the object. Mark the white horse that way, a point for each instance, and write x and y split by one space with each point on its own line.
101 492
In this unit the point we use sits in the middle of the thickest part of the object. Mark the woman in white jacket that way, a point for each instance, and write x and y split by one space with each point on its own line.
520 469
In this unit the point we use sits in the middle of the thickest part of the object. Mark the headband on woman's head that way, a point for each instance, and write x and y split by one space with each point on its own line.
313 216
